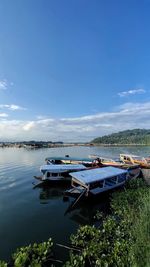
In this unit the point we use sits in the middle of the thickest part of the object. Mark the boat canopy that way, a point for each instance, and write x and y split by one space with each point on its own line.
70 158
57 168
98 174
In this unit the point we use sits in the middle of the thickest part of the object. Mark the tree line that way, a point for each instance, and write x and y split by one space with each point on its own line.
136 136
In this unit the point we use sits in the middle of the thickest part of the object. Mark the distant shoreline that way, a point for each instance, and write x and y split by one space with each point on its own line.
20 145
115 145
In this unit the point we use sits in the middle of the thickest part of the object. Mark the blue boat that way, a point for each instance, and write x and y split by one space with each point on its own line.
58 172
96 181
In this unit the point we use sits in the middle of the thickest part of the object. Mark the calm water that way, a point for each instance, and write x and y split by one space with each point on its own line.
28 214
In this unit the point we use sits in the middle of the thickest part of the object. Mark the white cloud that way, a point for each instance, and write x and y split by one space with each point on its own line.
3 84
3 115
11 107
41 117
28 126
131 92
127 116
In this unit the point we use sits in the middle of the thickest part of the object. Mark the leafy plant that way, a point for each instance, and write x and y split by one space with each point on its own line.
35 255
3 264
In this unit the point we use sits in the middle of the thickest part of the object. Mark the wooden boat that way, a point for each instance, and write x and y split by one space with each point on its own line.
133 159
72 160
57 173
111 162
134 170
96 181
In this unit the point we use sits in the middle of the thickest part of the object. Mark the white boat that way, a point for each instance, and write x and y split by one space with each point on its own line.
59 172
112 162
95 181
133 169
133 159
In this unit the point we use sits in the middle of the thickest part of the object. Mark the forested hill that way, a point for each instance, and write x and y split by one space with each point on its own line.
136 136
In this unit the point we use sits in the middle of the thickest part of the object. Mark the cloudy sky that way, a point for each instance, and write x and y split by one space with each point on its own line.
73 70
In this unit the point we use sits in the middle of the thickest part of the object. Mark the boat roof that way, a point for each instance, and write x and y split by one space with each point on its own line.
70 158
57 168
97 174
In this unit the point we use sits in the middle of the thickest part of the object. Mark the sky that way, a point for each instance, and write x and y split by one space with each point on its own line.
73 70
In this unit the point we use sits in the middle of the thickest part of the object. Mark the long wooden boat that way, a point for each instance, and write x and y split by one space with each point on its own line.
111 162
88 162
133 159
96 181
58 172
134 169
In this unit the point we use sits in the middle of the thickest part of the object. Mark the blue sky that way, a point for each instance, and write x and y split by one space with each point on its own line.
73 70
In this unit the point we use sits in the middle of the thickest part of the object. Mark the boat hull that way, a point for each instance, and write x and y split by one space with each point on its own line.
54 179
75 192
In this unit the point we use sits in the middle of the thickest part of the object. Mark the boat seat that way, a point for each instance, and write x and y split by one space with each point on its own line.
110 183
96 191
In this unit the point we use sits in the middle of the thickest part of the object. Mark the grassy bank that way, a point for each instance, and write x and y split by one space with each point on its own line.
121 239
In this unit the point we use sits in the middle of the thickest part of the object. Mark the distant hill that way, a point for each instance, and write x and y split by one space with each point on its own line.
136 136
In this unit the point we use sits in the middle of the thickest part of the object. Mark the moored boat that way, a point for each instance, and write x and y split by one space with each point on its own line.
133 159
111 162
58 172
72 160
133 169
96 181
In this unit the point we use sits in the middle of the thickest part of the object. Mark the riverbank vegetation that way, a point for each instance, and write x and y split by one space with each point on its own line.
128 137
120 239
35 255
123 238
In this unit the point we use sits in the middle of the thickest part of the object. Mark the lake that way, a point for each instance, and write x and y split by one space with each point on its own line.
29 214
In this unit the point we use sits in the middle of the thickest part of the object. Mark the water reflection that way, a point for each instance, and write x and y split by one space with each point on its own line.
49 191
86 210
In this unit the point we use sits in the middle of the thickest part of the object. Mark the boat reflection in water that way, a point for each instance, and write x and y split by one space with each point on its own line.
50 191
85 212
82 213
